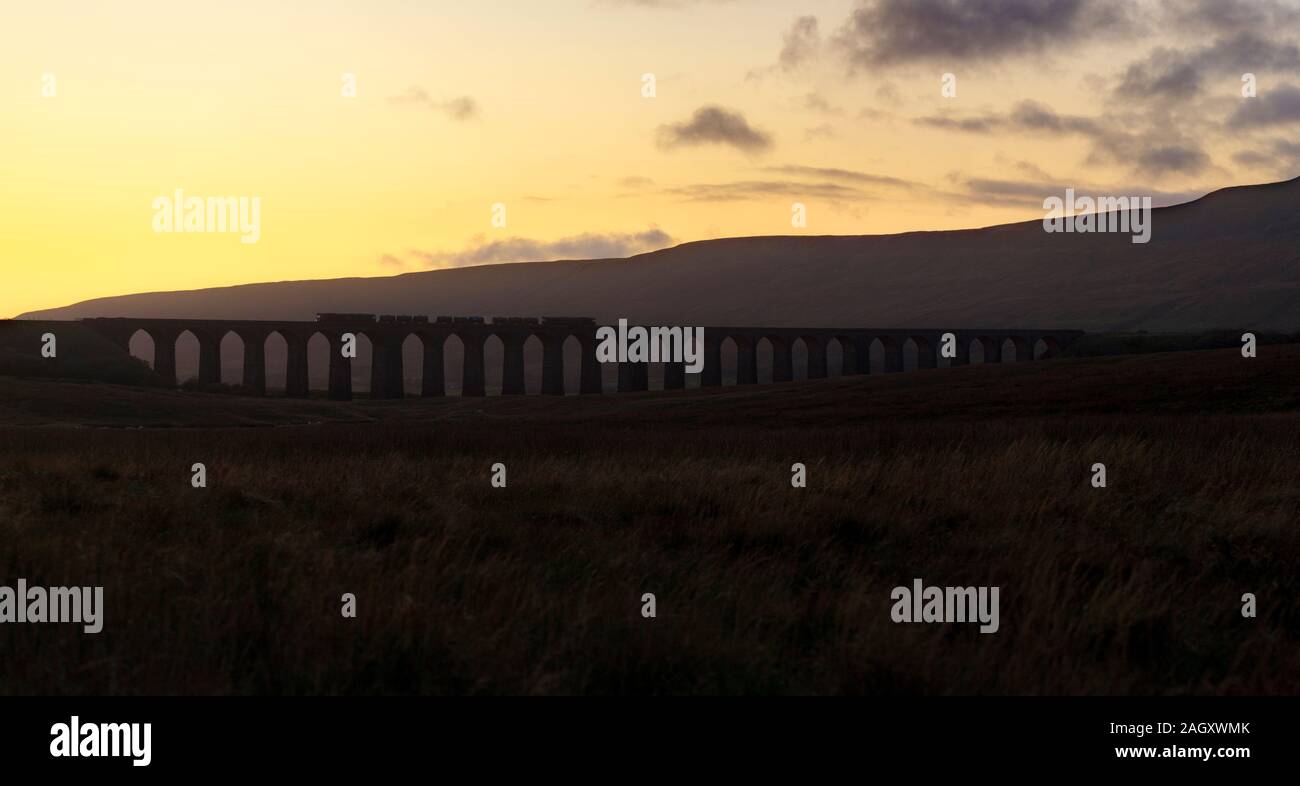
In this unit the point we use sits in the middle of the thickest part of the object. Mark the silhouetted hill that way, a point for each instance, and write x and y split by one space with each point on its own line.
1230 259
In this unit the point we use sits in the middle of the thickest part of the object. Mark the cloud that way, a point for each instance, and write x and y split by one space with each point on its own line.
1164 74
894 32
1033 116
714 125
767 189
1280 106
665 3
1280 156
815 102
1220 16
1024 116
589 245
1030 194
460 108
802 41
1172 159
800 45
971 125
888 93
1177 75
830 173
1152 148
1027 168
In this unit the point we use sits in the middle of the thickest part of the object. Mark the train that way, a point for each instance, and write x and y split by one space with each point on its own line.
401 319
329 317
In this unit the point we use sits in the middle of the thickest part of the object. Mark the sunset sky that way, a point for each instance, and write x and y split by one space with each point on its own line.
539 105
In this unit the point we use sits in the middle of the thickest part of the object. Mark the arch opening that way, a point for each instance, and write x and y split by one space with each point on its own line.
187 358
318 362
453 365
413 364
142 346
1014 350
494 364
363 365
534 365
886 355
837 354
571 355
730 360
918 354
275 349
799 359
765 352
1046 348
231 371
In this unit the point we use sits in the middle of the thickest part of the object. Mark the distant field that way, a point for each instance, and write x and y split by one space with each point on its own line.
971 476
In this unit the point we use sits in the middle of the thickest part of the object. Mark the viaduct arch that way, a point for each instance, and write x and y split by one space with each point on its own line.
387 336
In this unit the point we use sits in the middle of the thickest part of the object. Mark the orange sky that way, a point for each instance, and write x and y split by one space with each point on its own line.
539 107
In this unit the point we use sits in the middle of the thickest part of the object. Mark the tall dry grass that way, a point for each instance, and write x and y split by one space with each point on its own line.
761 587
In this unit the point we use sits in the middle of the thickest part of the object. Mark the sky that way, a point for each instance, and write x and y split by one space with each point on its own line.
394 136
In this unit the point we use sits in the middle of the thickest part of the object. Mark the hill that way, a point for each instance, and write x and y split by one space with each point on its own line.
1228 260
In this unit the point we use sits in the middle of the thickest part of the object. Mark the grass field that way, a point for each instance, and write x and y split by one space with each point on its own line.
972 476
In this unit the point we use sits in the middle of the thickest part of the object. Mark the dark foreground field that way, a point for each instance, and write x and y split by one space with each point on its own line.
973 476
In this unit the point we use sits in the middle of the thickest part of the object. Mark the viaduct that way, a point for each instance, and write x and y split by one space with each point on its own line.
388 334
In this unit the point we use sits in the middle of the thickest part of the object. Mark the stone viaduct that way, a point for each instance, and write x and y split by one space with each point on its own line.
388 334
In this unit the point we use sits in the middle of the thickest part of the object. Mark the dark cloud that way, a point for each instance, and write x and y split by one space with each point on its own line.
1178 75
892 32
1147 145
459 108
1223 16
1281 156
1163 160
1033 116
1254 159
1010 192
714 125
1279 106
585 246
1164 74
971 125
